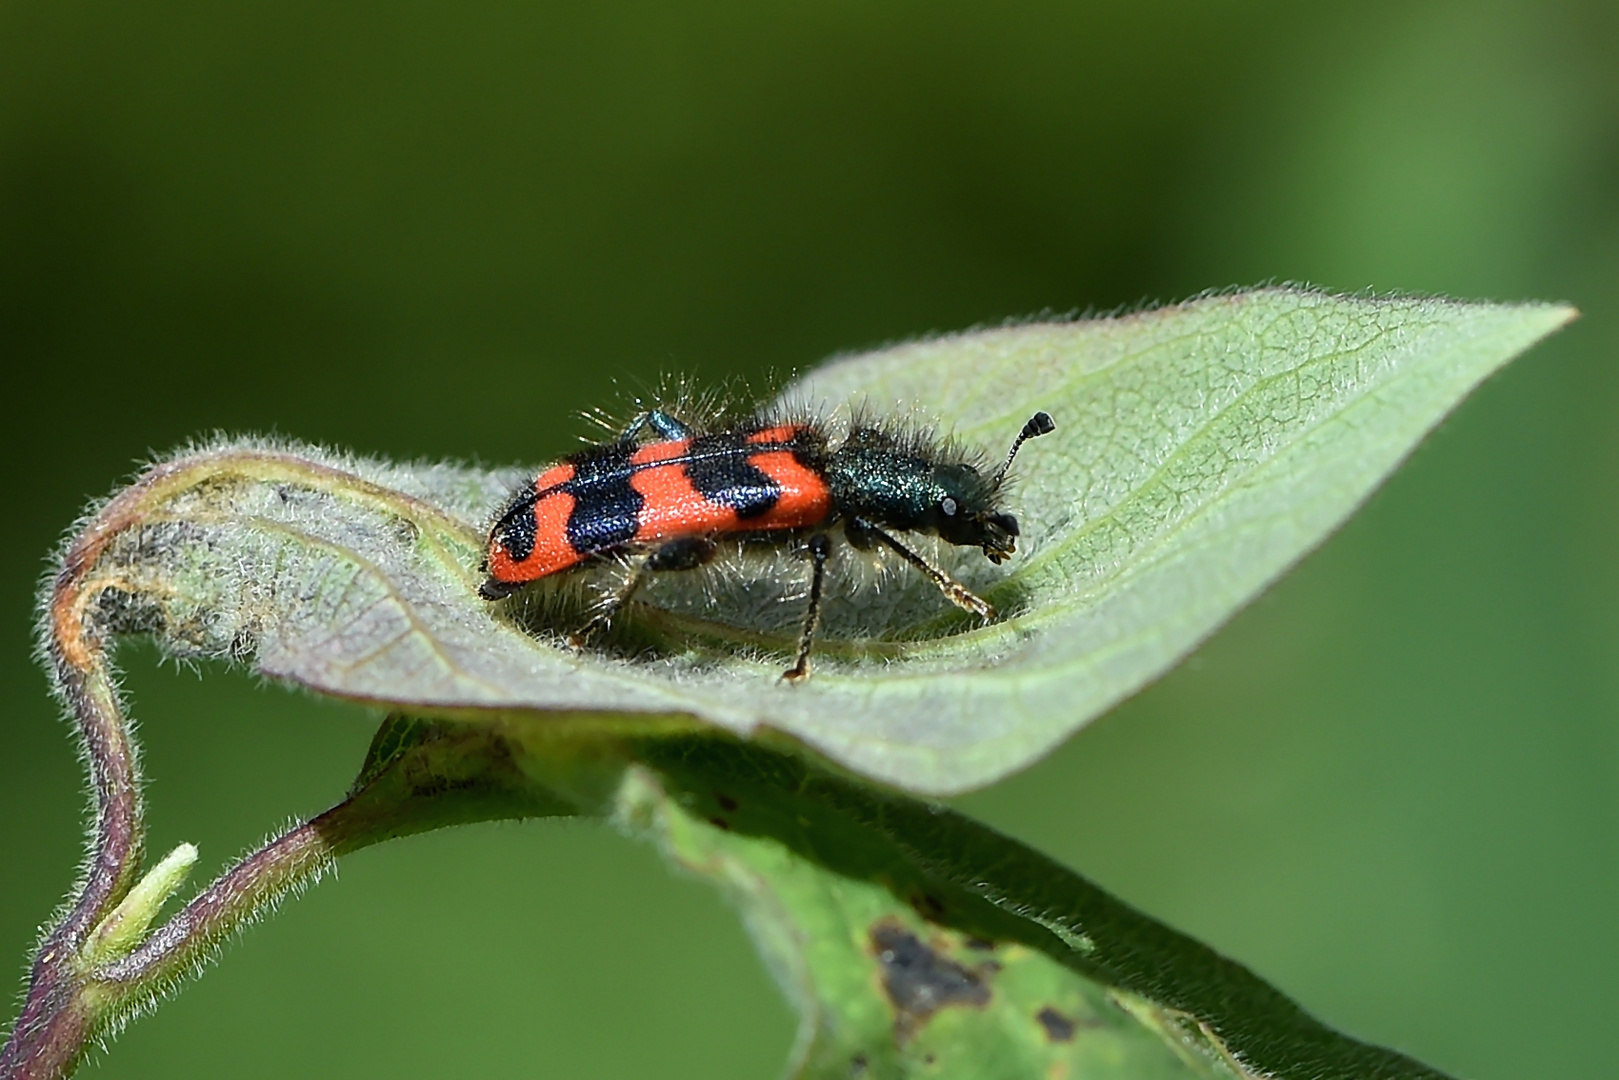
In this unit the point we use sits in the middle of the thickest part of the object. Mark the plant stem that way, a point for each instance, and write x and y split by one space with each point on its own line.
97 967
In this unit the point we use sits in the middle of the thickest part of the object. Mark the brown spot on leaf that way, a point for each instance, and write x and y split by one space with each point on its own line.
1058 1027
727 803
720 823
919 981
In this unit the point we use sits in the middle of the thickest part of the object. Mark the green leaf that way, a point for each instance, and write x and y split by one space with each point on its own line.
1200 450
916 942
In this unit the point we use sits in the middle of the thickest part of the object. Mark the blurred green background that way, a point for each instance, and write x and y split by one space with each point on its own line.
1391 787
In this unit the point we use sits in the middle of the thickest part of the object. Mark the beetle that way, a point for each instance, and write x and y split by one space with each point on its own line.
663 494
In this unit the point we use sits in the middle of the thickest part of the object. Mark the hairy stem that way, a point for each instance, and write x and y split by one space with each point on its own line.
55 1024
97 966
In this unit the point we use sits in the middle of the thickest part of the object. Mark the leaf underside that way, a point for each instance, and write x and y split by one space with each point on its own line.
912 940
916 942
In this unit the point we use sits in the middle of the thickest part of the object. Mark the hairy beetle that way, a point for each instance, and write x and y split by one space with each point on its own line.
663 493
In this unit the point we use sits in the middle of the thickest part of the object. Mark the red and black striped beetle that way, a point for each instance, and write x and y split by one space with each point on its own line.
660 496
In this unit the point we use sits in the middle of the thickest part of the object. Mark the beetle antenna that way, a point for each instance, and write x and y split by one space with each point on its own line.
1039 424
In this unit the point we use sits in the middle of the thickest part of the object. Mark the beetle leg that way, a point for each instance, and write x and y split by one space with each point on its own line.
613 602
495 589
820 549
686 553
957 593
666 426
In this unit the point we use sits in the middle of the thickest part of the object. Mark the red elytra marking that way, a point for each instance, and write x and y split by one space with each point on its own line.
554 477
551 553
782 434
805 499
674 506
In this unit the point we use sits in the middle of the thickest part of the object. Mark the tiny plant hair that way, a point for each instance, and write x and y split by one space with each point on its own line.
663 494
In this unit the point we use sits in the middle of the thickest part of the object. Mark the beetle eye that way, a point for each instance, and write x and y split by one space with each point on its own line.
948 506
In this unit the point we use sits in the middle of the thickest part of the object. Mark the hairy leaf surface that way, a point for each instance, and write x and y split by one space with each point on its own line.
1200 450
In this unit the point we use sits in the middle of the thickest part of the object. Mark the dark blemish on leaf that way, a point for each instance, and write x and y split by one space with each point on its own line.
857 1067
978 944
434 786
1058 1027
928 906
727 803
124 612
919 981
406 532
720 823
928 1059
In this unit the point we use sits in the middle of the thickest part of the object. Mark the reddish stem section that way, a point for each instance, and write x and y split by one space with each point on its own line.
51 1032
72 999
59 1017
